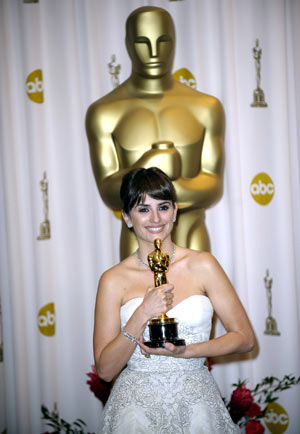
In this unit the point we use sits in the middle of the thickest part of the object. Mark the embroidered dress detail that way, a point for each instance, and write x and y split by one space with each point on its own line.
167 395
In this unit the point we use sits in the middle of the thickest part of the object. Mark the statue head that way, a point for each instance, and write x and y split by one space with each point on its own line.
150 41
157 243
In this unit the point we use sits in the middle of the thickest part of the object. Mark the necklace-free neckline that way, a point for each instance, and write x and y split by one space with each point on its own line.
147 265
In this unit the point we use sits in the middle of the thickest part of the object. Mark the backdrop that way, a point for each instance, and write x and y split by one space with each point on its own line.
57 236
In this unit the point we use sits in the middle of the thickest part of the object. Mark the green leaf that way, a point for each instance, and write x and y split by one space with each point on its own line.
53 425
256 388
239 383
77 423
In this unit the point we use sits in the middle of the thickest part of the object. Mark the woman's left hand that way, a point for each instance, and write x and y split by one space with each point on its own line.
168 350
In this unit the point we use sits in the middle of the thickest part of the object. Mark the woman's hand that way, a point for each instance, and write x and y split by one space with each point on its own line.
168 349
157 300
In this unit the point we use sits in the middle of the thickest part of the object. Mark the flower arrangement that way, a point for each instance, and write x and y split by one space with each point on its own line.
60 425
248 407
100 388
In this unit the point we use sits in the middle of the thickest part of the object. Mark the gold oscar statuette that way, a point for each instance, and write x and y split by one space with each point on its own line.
45 232
271 324
258 93
114 71
162 329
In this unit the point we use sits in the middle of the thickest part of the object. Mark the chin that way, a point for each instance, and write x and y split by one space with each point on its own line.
153 72
156 74
154 237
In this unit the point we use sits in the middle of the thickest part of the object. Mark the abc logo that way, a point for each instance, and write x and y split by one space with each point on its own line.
46 320
276 419
262 188
34 86
184 76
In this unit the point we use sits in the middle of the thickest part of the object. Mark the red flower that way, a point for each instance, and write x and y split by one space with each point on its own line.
254 410
254 427
241 400
210 363
100 388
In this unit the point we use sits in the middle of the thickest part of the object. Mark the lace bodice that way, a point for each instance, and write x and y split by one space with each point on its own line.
194 316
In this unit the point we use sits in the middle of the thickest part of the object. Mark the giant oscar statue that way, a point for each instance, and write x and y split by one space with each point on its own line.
153 120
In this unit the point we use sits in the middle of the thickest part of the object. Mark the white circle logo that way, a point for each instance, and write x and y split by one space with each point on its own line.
262 188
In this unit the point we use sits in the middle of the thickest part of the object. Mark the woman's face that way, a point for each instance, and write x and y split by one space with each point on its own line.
152 218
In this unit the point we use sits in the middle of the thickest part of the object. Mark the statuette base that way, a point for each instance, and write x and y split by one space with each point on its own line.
259 98
163 330
45 232
271 327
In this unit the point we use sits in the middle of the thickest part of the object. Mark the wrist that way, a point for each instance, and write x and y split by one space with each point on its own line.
187 352
143 315
136 325
128 336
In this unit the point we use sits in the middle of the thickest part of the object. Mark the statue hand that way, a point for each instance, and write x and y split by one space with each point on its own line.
167 159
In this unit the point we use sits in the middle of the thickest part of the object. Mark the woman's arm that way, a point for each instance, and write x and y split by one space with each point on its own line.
112 349
239 337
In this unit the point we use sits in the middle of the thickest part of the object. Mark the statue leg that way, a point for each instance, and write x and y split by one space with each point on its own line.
191 231
128 242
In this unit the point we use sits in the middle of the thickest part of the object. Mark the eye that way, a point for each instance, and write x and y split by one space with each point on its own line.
143 210
164 38
141 40
164 207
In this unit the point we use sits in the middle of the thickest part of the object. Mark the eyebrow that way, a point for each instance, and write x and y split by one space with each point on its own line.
147 205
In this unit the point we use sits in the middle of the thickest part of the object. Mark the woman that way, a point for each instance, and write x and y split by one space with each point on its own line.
164 390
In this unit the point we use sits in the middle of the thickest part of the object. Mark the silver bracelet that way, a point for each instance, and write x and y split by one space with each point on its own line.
128 336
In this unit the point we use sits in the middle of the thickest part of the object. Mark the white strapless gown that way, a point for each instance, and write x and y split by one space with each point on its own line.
166 395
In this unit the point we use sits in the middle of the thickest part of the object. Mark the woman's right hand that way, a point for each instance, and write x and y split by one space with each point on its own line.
157 300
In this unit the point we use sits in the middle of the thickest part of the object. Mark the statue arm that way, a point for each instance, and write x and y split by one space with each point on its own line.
103 153
150 262
206 188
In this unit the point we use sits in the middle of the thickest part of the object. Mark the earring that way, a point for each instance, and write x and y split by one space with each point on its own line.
129 225
174 219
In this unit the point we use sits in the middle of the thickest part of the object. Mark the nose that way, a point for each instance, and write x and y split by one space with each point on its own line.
153 47
155 217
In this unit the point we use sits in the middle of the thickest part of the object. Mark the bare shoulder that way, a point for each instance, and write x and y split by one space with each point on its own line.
110 281
201 269
196 260
204 265
113 281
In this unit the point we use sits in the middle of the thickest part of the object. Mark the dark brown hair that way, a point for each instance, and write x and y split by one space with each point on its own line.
139 182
